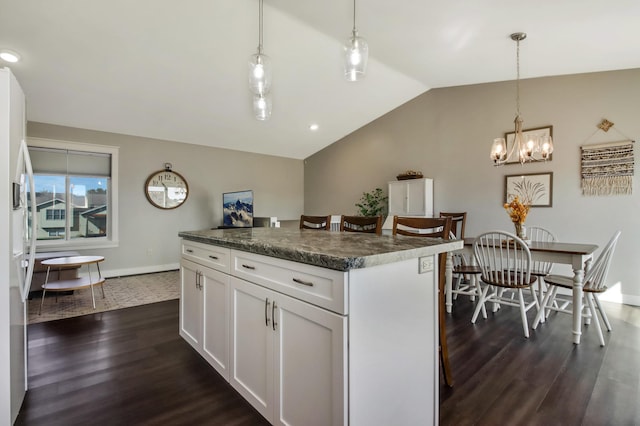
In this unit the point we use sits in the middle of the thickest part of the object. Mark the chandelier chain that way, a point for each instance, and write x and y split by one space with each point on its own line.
518 77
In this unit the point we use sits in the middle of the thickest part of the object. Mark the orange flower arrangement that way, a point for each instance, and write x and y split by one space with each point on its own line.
517 210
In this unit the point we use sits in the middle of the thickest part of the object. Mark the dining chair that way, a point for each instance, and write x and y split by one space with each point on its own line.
541 268
594 284
370 224
315 222
505 261
458 221
436 228
465 274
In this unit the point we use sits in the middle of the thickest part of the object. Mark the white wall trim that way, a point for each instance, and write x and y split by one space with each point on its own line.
114 273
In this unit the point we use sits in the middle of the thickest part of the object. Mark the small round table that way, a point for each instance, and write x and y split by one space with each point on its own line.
75 283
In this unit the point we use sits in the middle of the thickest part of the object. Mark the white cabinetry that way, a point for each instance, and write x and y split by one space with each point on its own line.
288 357
308 345
411 197
204 317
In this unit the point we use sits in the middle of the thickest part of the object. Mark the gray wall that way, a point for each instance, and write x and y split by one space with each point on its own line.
447 133
148 235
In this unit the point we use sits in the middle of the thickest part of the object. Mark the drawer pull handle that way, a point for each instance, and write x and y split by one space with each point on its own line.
266 312
248 266
189 250
213 257
274 324
299 281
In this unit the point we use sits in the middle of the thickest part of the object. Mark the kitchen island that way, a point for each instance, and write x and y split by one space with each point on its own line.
317 327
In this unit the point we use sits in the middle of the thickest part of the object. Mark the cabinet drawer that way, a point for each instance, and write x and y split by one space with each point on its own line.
319 286
207 255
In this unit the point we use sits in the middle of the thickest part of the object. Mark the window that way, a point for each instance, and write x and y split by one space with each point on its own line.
76 194
55 214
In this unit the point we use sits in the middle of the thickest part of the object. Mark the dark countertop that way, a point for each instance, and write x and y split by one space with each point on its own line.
341 251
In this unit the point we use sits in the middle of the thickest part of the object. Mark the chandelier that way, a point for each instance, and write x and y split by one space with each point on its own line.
260 77
356 53
522 150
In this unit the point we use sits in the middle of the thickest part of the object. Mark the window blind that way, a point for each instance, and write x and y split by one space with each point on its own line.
67 162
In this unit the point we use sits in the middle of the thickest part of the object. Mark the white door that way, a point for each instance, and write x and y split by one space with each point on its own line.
252 339
311 365
190 303
215 325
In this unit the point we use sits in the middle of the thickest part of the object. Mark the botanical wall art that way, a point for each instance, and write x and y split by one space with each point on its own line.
534 189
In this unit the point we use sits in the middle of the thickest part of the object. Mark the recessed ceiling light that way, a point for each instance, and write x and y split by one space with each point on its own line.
313 127
9 55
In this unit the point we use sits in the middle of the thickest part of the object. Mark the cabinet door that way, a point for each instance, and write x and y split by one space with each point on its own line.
311 365
397 198
215 320
416 197
190 304
251 352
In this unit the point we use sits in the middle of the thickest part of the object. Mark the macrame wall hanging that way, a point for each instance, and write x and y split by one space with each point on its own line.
607 168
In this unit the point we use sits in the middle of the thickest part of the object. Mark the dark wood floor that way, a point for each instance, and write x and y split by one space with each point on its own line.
130 367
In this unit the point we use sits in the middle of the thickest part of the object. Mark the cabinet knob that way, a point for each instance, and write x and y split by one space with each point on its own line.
213 257
248 266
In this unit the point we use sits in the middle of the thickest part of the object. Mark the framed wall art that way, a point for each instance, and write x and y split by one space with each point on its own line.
537 133
533 188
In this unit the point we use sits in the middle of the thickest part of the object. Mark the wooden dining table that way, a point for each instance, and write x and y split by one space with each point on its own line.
577 255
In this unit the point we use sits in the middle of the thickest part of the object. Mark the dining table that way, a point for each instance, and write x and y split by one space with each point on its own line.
577 255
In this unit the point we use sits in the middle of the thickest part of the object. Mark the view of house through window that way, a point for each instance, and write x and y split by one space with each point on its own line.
73 194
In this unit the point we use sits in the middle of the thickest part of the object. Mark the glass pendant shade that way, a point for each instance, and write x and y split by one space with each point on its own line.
259 74
499 150
356 54
546 147
262 106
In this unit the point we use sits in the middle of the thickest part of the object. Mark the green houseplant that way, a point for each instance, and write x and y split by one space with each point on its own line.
372 203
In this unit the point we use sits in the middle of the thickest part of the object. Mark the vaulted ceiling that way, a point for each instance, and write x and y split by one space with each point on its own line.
177 70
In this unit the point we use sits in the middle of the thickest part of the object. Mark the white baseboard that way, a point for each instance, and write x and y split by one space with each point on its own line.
112 273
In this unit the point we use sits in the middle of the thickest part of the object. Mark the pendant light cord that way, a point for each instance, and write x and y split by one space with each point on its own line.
260 27
354 17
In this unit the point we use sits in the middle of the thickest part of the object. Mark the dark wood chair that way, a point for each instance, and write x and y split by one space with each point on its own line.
436 228
370 224
465 274
458 221
321 223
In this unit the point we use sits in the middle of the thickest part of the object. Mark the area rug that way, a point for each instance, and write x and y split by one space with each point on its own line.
120 292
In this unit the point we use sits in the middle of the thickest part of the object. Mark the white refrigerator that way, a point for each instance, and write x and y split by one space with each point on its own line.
17 250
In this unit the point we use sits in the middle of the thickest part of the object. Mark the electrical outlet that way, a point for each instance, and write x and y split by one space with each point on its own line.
425 264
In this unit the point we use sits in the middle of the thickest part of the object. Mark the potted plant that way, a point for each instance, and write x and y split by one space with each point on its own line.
373 203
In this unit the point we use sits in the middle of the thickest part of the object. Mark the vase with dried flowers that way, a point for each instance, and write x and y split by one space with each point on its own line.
517 211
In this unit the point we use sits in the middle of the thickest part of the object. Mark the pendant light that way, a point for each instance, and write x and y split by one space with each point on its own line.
260 76
356 53
522 150
262 106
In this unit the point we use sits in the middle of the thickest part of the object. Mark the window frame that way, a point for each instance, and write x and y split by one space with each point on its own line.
111 239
